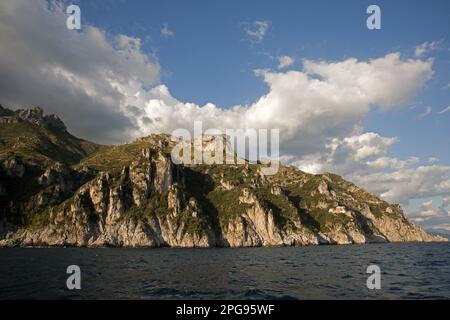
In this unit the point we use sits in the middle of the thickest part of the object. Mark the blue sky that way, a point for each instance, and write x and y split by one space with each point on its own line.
362 103
210 59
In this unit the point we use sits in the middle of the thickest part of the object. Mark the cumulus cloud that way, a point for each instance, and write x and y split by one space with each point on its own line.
82 76
360 151
166 32
374 78
367 145
285 61
257 30
409 183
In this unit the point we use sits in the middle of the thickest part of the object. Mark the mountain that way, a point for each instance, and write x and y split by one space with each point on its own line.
58 190
33 136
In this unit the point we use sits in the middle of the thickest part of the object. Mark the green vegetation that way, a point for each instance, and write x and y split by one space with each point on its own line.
227 204
114 158
193 225
39 219
33 142
284 211
154 206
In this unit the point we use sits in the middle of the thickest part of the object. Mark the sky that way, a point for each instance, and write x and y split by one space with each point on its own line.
371 105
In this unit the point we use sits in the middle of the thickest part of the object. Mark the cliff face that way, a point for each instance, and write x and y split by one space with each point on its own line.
134 196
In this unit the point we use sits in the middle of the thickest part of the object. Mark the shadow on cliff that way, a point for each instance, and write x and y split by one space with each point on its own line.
305 218
198 185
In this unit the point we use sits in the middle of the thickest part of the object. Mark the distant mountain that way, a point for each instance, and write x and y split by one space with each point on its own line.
31 135
34 115
58 190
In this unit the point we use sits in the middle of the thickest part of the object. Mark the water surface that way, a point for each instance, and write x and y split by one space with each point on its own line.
409 271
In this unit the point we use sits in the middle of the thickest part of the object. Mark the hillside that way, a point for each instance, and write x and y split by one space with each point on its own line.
56 189
31 135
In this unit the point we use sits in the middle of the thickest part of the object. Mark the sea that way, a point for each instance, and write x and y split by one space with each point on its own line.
406 271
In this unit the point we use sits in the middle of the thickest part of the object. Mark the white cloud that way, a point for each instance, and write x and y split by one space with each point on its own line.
426 211
443 226
444 208
368 145
428 111
408 183
285 61
355 153
392 163
166 32
257 30
433 215
426 47
433 160
375 77
444 110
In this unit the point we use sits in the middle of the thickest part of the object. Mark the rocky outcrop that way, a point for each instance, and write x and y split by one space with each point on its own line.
13 167
34 115
255 227
5 112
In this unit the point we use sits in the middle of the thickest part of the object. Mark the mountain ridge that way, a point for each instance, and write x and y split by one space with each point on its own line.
58 190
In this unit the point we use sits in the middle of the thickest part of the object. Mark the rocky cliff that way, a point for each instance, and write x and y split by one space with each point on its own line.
133 195
34 115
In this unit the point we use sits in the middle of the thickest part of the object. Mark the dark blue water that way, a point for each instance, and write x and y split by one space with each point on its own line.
409 271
